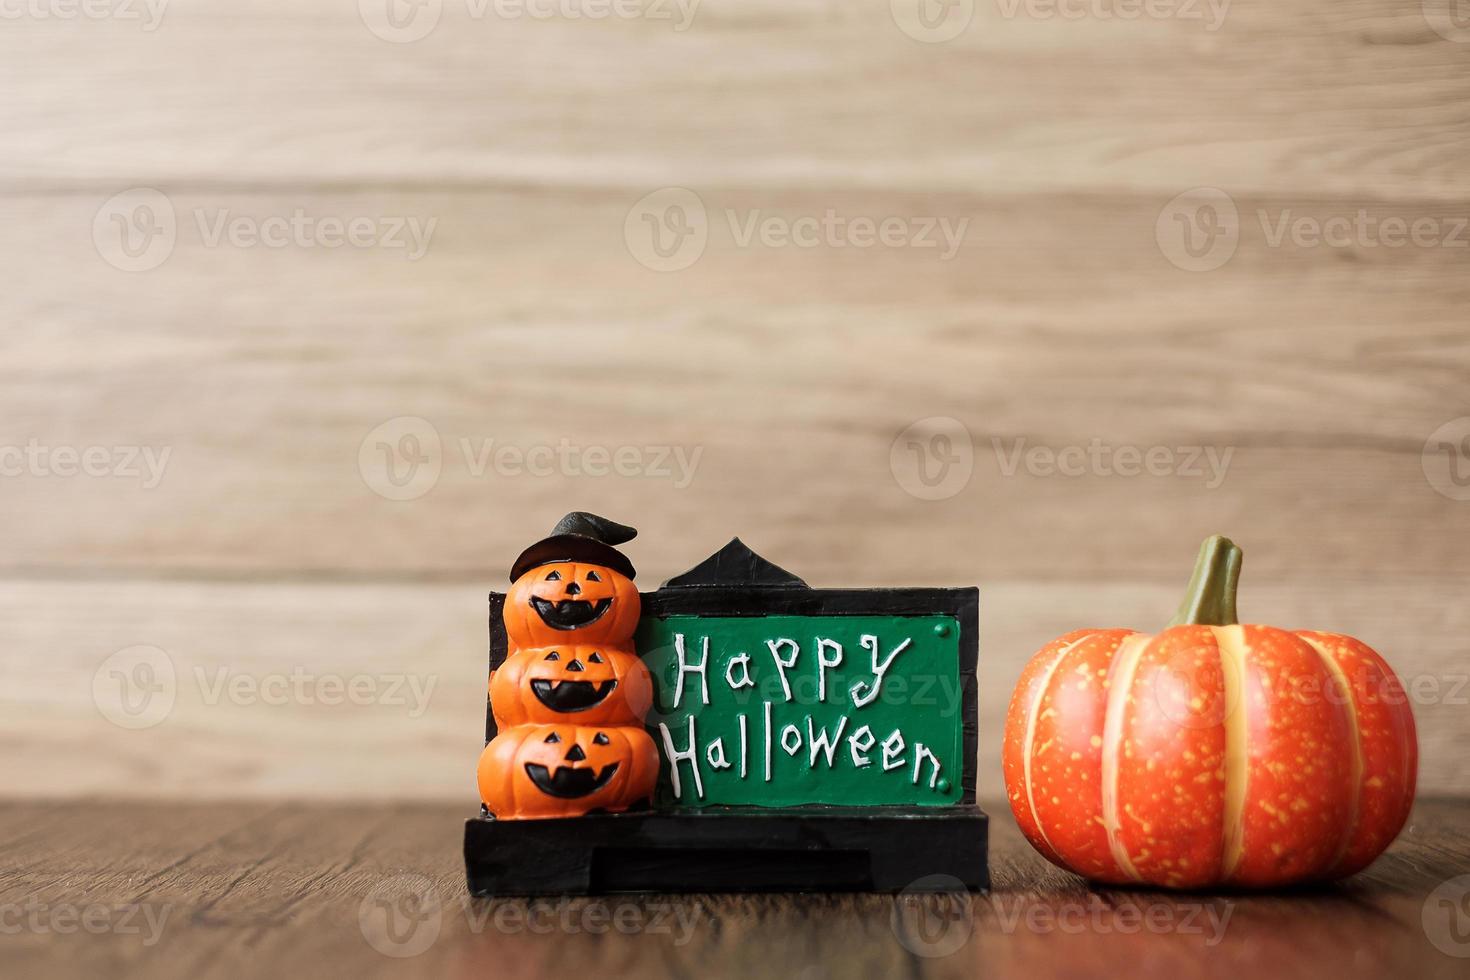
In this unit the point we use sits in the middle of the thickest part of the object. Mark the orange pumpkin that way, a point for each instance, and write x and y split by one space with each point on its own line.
538 771
571 602
1211 753
585 685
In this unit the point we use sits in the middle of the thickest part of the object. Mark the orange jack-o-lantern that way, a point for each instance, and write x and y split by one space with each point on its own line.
571 602
583 685
538 771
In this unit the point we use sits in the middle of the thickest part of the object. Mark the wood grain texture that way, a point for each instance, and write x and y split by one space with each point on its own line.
267 548
1359 97
258 890
784 376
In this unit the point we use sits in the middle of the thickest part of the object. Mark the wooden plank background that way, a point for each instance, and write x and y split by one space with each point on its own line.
266 551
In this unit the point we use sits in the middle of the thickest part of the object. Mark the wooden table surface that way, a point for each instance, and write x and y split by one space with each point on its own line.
201 890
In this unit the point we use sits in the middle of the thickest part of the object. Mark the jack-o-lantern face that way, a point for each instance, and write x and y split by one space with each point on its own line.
584 685
571 602
537 771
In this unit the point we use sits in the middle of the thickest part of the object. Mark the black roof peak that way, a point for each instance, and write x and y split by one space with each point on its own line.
736 565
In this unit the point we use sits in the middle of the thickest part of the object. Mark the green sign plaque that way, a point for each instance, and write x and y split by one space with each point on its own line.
787 710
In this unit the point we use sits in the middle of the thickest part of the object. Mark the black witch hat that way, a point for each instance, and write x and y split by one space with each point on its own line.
579 537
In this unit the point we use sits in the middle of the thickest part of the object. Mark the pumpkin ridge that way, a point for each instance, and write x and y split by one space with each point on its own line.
1120 683
1330 662
1234 651
1033 715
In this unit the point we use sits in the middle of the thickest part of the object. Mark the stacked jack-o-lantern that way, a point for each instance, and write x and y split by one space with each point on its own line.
570 698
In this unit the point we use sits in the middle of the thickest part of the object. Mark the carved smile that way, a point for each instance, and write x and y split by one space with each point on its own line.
568 696
569 614
569 783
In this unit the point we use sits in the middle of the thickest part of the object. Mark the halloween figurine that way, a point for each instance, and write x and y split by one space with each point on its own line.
569 700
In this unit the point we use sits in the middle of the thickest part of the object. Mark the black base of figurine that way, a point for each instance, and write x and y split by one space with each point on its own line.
818 849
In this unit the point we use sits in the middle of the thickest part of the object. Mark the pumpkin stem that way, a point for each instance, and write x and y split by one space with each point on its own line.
1210 598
